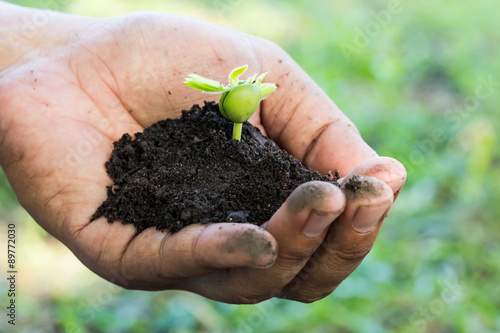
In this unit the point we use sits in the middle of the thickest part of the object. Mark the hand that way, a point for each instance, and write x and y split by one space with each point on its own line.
80 83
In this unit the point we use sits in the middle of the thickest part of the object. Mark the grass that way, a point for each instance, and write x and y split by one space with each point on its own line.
412 92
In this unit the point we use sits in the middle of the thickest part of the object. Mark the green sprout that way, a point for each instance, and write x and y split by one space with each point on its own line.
239 99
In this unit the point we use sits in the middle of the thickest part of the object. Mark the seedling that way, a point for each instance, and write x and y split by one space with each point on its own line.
239 99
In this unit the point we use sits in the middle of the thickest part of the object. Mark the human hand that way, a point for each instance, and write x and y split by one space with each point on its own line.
64 101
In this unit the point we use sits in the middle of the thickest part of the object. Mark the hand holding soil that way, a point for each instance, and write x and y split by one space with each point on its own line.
65 101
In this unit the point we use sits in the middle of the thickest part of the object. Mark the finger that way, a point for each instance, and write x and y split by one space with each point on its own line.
155 259
299 227
301 117
387 169
348 241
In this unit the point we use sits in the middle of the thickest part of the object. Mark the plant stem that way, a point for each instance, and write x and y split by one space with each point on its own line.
237 131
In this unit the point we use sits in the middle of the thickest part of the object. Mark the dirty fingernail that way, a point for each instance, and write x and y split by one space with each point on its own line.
317 223
366 218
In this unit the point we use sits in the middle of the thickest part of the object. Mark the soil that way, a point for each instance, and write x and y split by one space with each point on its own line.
190 170
357 187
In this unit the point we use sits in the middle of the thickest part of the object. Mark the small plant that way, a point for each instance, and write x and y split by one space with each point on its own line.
240 99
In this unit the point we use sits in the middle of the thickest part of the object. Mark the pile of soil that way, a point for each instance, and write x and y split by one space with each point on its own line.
189 170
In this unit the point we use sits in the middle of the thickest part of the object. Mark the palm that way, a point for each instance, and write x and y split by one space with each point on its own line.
81 101
121 75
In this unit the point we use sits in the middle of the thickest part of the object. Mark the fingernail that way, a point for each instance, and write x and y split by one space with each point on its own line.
267 256
366 218
317 223
396 185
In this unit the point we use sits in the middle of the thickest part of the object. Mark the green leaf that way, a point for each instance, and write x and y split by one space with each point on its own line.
235 74
266 89
260 78
201 83
251 79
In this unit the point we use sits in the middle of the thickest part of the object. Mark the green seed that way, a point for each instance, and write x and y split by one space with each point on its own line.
238 104
240 99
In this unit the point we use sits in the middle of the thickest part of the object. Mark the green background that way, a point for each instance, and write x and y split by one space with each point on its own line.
413 82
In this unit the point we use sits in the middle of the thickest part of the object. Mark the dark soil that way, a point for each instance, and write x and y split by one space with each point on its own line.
358 187
189 170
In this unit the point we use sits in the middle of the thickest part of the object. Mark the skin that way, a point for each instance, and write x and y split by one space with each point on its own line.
72 86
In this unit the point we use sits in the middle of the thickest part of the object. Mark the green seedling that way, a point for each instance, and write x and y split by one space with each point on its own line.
239 99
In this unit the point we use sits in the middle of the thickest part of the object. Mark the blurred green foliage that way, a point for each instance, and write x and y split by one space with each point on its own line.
7 197
410 82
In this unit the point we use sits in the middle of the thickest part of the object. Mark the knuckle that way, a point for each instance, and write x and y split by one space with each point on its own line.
292 259
353 255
